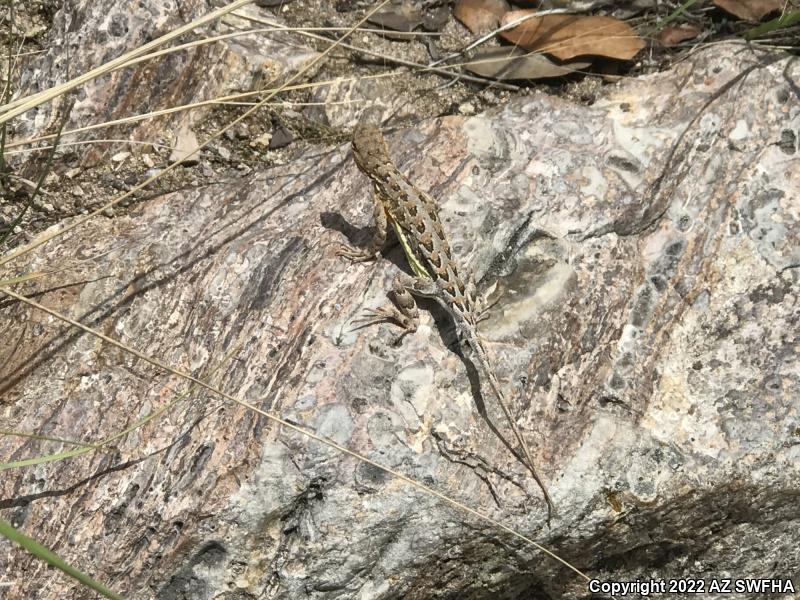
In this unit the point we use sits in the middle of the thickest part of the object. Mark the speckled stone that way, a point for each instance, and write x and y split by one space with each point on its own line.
646 256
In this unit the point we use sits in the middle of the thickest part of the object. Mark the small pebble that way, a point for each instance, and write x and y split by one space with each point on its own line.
262 141
281 138
467 108
185 146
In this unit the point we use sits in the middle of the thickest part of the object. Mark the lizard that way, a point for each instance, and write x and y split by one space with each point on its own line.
414 217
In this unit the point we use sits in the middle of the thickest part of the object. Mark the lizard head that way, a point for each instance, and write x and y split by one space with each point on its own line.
369 149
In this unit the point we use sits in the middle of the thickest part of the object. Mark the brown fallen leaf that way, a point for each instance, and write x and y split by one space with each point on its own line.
514 63
568 36
402 18
480 15
672 35
750 10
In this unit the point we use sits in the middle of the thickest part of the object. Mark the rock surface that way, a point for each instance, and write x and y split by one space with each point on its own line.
92 33
646 253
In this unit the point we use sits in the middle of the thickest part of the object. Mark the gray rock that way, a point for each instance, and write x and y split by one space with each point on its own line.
102 30
646 255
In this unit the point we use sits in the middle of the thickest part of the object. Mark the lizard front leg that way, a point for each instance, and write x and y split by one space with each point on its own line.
378 238
404 310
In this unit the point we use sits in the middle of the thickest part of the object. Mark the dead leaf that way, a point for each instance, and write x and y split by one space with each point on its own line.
672 35
568 36
749 10
515 63
403 18
480 15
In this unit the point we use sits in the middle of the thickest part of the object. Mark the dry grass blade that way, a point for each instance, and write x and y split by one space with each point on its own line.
296 428
42 176
5 98
236 34
94 142
172 166
22 105
86 447
387 58
19 54
211 102
271 94
188 46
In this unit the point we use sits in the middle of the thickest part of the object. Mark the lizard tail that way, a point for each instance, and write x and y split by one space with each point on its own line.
480 351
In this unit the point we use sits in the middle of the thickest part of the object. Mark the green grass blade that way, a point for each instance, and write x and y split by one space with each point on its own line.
90 447
671 17
53 559
42 176
20 278
786 20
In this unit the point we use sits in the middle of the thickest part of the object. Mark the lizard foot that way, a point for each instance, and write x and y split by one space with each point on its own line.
388 313
355 254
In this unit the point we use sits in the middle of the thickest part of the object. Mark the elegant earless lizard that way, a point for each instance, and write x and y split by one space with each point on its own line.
414 216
